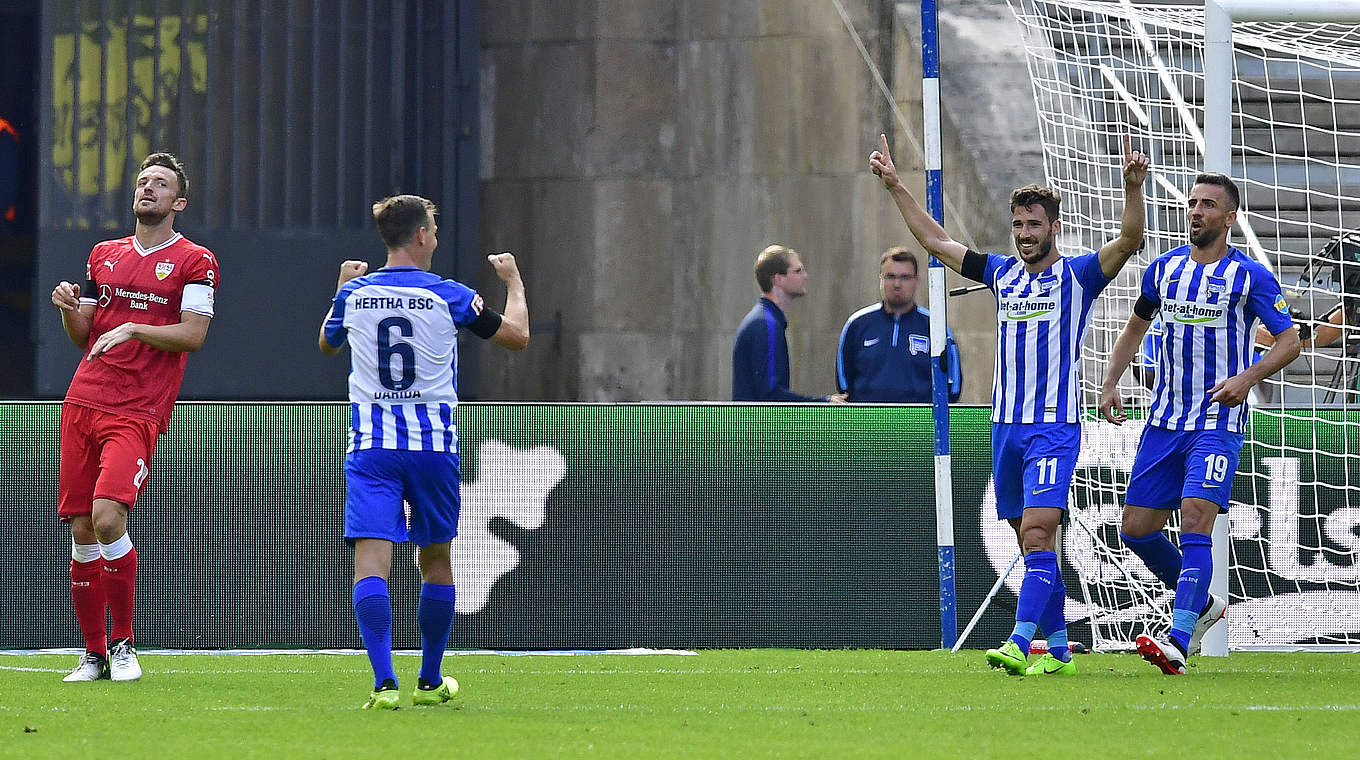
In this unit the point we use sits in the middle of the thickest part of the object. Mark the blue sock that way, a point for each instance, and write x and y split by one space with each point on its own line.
373 611
1053 621
1159 554
1192 589
435 615
1057 645
1035 589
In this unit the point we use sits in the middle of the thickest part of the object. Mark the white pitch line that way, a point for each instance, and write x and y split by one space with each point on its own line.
874 708
514 671
176 671
725 708
178 710
631 652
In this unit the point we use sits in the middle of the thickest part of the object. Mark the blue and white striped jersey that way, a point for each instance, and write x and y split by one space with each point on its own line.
1208 314
1041 323
402 326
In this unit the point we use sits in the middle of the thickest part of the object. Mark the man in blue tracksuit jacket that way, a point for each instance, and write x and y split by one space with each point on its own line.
884 352
760 356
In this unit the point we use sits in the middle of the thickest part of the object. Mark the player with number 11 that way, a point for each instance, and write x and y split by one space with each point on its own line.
1043 302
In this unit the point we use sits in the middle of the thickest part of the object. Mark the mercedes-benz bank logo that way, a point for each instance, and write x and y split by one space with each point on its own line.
105 295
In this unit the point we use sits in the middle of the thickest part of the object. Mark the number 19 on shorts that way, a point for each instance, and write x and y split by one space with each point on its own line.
1215 468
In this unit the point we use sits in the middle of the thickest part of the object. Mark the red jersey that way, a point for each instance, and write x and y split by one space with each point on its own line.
128 283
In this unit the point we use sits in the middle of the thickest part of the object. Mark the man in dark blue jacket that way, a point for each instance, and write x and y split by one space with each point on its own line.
760 357
884 352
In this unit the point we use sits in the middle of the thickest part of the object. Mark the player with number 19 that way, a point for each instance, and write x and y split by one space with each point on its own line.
1208 296
402 323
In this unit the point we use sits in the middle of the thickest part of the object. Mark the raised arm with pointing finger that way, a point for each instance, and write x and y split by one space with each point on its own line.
1115 253
1044 301
950 252
923 226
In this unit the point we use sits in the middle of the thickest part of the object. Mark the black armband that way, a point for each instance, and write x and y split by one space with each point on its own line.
91 290
974 266
486 324
1145 308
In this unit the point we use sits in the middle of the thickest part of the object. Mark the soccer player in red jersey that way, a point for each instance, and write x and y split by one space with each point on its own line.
146 303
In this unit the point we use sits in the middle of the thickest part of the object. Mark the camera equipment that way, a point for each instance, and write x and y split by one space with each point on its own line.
1342 254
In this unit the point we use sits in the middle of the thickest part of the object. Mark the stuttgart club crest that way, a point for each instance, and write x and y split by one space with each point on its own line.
164 268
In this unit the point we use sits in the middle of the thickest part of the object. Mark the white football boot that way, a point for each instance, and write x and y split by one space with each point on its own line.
1164 654
91 667
1217 609
123 665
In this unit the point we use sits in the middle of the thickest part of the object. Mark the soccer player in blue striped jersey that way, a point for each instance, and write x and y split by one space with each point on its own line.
402 323
1209 295
1043 308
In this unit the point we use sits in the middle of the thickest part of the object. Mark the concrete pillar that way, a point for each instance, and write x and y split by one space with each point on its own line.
639 153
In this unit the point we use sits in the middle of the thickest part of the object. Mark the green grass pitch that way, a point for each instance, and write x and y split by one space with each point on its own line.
736 703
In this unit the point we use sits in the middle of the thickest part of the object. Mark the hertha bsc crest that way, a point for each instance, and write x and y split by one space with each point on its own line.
164 268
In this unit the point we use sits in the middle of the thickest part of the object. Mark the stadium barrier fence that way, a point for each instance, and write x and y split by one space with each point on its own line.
583 526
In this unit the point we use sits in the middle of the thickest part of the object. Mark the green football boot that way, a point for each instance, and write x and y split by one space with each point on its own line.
386 699
1048 665
1007 656
436 696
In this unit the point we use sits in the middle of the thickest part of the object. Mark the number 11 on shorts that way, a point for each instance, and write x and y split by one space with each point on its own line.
1048 471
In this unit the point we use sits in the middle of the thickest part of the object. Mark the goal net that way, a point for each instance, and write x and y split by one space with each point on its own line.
1103 69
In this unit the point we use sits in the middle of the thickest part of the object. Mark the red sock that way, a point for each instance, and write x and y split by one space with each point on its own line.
120 582
87 596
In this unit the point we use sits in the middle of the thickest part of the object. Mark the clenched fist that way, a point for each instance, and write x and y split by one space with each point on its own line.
505 266
348 271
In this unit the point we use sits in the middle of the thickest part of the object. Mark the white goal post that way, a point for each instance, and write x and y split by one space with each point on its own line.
1219 16
1275 85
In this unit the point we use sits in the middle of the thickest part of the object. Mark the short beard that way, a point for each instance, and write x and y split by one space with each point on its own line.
150 219
902 306
1207 236
1041 252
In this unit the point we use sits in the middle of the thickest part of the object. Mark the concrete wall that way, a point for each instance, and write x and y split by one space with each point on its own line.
637 154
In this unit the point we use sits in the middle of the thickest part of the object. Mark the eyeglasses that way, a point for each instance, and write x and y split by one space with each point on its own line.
898 277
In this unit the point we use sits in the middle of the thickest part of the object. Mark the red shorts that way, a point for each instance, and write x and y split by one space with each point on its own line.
103 456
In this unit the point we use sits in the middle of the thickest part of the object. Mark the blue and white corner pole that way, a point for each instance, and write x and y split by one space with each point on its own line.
944 484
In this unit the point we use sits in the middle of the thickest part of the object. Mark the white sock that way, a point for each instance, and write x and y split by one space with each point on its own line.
116 549
83 553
